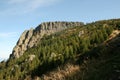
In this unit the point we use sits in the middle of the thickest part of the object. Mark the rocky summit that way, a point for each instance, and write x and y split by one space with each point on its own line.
30 38
73 52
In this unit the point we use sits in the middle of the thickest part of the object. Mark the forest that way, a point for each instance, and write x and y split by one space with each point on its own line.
86 46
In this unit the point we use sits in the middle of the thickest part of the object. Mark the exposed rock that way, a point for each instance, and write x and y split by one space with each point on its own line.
22 43
53 55
31 57
30 38
81 33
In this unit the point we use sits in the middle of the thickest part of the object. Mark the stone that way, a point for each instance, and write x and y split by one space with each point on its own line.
30 38
31 57
81 33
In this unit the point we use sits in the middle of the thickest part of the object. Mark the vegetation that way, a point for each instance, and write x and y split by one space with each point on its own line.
83 46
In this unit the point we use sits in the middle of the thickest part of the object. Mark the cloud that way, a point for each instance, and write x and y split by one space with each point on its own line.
25 6
8 35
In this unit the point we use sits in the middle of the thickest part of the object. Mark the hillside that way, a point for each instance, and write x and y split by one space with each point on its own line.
81 52
30 38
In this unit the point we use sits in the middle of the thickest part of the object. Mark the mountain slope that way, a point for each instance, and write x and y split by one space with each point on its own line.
30 38
77 53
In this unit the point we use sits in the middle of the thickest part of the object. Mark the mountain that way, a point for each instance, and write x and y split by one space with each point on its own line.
30 38
70 51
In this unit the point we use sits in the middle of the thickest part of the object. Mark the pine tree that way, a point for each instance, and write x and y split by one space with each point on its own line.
66 52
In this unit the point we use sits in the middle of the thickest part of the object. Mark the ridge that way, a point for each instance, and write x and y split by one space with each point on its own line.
30 38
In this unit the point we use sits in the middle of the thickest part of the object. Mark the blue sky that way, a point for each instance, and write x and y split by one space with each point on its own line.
19 15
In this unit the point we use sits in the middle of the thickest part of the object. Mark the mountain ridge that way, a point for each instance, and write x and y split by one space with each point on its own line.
88 52
30 38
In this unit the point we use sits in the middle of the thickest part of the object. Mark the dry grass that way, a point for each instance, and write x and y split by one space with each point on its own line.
61 73
114 34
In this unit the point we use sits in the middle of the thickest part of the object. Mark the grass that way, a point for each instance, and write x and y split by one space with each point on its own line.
105 67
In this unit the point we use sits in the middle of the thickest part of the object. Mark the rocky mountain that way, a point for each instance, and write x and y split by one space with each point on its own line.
30 38
72 52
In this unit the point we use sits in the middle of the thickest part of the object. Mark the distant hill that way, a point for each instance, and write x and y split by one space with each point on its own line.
66 51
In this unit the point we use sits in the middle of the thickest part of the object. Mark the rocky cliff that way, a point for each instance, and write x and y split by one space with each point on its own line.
30 38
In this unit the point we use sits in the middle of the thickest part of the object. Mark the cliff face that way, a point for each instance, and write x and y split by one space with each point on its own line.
30 38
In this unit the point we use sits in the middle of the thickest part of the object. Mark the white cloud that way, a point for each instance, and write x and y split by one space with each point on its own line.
7 35
25 6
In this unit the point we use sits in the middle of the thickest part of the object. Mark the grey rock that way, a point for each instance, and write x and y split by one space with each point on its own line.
30 38
81 33
22 38
31 57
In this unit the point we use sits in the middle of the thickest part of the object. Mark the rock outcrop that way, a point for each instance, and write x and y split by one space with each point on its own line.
30 38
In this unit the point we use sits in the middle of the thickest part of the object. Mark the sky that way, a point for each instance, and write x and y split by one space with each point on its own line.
19 15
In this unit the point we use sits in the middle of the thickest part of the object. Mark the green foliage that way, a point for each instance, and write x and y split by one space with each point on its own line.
57 49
